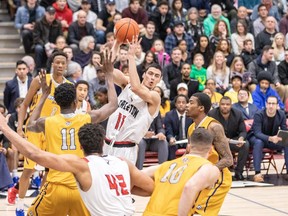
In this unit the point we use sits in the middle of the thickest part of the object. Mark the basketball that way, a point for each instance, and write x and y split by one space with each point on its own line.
125 29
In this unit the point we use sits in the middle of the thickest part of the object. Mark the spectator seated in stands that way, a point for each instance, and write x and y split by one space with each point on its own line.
210 21
247 109
179 33
224 46
91 16
95 84
186 56
110 26
103 18
263 133
215 96
219 72
163 58
25 20
263 91
89 71
172 70
74 72
191 84
80 29
194 27
154 140
149 37
266 36
176 125
44 36
86 46
162 19
198 72
149 59
63 15
272 10
165 102
248 54
137 13
17 87
220 32
234 127
242 14
264 62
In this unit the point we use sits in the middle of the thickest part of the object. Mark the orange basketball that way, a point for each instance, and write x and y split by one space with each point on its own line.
125 29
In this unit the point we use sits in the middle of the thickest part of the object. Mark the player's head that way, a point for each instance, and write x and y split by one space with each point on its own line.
200 142
199 103
59 62
65 96
152 75
91 137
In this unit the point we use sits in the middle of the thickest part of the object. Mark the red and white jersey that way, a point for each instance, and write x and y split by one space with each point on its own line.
109 193
131 120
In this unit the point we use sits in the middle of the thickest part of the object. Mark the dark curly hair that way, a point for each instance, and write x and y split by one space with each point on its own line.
65 95
58 53
91 137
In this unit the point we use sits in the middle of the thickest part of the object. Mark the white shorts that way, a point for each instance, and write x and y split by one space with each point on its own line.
130 153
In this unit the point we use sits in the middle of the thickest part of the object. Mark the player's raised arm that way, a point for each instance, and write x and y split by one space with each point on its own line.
35 123
105 111
34 87
64 163
204 178
152 76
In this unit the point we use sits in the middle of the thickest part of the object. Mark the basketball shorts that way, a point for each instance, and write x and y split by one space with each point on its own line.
57 199
38 140
211 205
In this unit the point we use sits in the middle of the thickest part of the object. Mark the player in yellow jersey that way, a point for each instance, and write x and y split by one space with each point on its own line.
197 108
59 195
59 64
182 183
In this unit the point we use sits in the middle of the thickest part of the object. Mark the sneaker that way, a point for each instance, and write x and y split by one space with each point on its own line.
15 179
11 196
258 178
36 182
20 212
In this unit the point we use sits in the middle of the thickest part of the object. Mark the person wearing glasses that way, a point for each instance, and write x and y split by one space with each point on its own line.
263 91
263 133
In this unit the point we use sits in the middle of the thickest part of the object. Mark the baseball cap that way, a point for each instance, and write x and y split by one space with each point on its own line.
236 75
182 85
178 22
50 10
110 2
86 2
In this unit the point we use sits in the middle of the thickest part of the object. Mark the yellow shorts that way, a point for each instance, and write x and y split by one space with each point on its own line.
38 140
56 199
211 205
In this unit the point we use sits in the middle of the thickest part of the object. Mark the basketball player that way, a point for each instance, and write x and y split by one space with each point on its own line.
59 195
82 88
197 108
182 183
138 105
104 182
59 65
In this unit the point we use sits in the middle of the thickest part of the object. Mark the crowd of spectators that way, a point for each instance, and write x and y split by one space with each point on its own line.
219 47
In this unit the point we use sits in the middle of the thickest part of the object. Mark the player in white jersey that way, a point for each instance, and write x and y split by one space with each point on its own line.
138 105
104 181
82 88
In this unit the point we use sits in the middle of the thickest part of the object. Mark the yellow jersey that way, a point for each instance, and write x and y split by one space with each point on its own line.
61 134
170 180
213 156
50 107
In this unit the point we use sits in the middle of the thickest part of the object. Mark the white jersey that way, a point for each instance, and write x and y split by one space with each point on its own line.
83 109
131 120
109 193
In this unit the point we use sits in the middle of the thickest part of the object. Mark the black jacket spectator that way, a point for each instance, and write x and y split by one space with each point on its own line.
193 86
75 35
283 72
262 39
248 57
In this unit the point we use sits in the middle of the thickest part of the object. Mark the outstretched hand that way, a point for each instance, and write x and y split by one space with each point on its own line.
133 46
108 64
44 87
3 120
